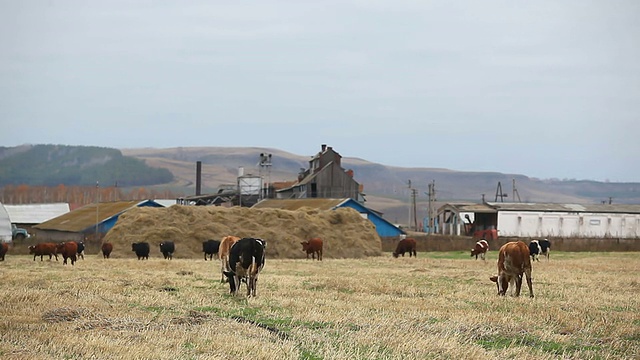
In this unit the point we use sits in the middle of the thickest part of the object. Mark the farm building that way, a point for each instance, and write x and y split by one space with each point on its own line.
5 226
541 220
28 215
383 227
325 178
87 221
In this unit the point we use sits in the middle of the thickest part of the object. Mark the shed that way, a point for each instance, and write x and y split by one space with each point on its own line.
33 214
5 225
87 221
550 219
383 227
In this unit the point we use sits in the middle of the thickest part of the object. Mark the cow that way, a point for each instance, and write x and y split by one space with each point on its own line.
481 249
4 247
223 254
246 260
68 250
313 247
141 249
406 245
80 245
106 248
539 247
513 261
209 248
43 249
167 249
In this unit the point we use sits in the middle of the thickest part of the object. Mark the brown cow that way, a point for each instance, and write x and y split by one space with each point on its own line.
313 247
223 254
43 249
68 250
107 248
513 261
481 249
4 247
406 245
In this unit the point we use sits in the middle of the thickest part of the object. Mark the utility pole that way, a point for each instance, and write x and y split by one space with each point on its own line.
414 194
97 207
499 193
515 192
431 206
410 191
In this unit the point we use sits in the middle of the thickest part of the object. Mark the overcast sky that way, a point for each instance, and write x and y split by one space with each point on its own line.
547 89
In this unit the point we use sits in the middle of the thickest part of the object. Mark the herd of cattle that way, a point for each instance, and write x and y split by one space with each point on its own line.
242 259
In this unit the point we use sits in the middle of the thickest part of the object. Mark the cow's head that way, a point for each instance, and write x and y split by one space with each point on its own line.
503 280
32 249
395 254
305 245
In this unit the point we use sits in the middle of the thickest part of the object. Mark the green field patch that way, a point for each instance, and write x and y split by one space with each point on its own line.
497 342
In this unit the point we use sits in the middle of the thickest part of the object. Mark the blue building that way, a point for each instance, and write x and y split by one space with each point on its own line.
87 221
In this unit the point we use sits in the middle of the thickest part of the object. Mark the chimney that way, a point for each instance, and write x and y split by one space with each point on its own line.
350 173
324 147
198 177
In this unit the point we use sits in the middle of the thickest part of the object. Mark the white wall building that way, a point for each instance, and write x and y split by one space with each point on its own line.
553 220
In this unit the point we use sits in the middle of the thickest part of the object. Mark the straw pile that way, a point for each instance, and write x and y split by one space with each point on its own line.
344 232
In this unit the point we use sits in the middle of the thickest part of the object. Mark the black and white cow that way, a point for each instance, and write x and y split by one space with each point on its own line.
209 248
167 249
80 249
539 247
246 260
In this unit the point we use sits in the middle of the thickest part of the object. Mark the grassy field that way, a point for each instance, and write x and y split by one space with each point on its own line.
436 306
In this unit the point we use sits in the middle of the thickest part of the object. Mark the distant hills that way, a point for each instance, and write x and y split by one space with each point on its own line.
385 186
51 165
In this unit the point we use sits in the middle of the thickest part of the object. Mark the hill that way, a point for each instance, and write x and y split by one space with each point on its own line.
385 186
52 165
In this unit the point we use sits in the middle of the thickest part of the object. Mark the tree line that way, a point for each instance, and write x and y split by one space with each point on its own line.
80 195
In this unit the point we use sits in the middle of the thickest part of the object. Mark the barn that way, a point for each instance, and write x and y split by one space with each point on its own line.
87 221
28 215
383 227
543 219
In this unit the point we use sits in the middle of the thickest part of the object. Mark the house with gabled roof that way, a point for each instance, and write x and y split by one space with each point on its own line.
383 227
87 221
325 178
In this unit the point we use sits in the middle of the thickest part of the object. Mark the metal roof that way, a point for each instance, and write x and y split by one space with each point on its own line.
35 213
549 207
86 216
295 204
468 207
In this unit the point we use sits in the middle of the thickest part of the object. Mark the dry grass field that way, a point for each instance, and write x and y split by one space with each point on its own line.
436 306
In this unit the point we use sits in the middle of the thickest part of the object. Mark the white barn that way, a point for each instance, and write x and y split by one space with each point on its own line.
547 219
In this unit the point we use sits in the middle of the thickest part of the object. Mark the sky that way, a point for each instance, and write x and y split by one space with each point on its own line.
545 88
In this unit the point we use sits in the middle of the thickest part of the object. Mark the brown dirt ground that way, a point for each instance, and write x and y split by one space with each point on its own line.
344 232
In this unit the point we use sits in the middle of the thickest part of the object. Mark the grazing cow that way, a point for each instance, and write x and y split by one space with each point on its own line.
141 249
246 260
43 249
68 250
106 248
313 247
406 245
223 253
481 249
4 247
539 247
209 248
513 261
167 249
80 245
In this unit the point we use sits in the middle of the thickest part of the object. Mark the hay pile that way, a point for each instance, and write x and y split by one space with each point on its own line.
344 232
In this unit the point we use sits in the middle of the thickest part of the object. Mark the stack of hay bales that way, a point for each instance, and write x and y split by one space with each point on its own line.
344 232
